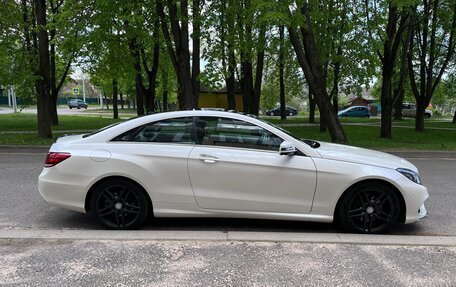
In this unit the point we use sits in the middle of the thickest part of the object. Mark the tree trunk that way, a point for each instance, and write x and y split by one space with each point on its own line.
454 117
106 100
115 111
196 35
419 118
312 105
179 50
121 101
322 124
165 89
283 114
230 80
386 102
391 46
259 71
307 55
42 83
140 90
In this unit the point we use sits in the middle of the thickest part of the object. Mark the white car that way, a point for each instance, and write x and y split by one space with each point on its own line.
409 110
222 164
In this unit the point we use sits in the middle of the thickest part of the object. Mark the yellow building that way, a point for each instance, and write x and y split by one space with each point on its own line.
219 98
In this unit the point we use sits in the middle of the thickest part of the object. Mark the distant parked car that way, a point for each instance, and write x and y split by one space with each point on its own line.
77 104
409 110
355 111
289 111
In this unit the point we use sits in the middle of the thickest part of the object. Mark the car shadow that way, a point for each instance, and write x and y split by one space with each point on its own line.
64 219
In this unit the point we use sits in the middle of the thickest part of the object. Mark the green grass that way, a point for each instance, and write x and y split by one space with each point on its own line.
28 122
363 136
403 139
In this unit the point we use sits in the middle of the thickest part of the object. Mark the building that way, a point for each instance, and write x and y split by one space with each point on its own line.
219 98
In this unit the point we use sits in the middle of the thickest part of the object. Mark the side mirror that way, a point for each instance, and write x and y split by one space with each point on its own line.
287 148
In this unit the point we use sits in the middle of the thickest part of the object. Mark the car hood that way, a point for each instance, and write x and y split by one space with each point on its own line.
363 156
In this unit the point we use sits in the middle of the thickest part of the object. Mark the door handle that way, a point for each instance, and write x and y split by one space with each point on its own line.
208 158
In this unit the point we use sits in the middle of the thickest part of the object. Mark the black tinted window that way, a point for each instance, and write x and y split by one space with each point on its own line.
178 130
234 133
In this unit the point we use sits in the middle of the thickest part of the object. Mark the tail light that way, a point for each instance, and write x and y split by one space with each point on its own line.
54 158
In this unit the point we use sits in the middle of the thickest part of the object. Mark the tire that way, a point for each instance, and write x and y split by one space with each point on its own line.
369 208
119 204
71 108
427 116
79 107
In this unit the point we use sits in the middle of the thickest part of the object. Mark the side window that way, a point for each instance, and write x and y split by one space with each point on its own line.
179 130
234 133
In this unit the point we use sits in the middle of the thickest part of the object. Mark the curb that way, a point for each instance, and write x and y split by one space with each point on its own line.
230 236
23 149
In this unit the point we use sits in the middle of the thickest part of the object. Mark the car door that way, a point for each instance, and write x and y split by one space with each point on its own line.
161 149
236 166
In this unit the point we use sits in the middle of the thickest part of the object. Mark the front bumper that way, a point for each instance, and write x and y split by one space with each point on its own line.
414 196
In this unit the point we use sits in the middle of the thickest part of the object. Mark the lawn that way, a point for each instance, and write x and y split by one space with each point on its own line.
27 122
359 135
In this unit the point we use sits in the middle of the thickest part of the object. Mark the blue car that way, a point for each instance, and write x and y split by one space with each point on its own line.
355 111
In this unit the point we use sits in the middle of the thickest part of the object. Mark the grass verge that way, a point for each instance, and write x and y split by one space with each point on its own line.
360 135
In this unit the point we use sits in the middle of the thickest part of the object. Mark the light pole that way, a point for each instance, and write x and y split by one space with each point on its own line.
83 88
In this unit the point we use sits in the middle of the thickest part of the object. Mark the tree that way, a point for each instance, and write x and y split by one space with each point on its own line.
308 56
387 43
43 88
178 47
431 51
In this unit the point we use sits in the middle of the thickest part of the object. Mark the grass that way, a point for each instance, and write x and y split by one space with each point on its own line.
359 135
403 138
27 122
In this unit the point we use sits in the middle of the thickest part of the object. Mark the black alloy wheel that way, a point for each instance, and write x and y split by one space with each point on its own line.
369 208
119 204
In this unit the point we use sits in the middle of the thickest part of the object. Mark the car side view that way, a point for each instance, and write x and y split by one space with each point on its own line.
289 111
223 164
354 111
409 110
77 104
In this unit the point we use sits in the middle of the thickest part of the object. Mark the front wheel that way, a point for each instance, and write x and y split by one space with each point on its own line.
369 208
119 204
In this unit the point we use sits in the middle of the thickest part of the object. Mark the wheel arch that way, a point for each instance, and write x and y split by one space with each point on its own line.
399 195
115 177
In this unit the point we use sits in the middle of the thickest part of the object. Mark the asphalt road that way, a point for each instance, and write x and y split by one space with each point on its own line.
23 208
47 246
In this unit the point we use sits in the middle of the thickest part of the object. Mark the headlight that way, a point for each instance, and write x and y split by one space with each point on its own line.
410 174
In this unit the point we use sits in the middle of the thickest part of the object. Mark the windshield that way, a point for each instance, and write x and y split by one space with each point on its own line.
311 143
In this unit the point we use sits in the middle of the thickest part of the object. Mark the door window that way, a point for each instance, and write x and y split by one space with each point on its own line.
215 131
179 130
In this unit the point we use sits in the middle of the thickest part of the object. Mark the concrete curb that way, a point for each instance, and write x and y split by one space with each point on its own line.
23 149
243 236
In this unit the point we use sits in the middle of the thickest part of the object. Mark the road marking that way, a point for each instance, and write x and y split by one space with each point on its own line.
243 236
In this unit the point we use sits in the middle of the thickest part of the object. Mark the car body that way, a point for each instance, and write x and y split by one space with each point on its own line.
289 111
354 111
77 104
223 164
409 110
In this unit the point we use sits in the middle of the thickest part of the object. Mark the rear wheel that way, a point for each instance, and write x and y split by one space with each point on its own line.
369 208
119 204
